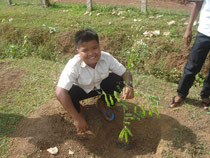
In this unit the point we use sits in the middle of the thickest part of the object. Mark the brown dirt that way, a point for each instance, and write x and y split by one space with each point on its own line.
50 126
66 43
178 61
167 4
9 78
175 132
13 34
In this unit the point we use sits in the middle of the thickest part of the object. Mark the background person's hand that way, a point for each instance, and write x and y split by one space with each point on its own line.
128 92
188 37
81 125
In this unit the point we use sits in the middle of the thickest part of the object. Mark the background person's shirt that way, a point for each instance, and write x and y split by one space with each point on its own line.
79 73
204 21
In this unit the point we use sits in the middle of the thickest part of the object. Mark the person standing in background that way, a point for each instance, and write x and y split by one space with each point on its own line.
197 56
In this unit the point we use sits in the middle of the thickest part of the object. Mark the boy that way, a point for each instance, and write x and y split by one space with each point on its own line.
198 55
87 75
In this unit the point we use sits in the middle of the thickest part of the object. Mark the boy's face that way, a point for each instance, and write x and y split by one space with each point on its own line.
90 52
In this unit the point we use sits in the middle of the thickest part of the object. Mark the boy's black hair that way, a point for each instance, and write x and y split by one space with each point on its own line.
85 36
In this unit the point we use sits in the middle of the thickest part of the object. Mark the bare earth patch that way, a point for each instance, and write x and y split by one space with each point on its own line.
50 126
9 78
166 4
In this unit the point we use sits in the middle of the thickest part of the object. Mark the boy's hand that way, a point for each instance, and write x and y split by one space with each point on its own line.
128 92
188 37
81 125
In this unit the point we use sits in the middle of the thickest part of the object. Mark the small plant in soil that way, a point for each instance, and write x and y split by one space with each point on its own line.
138 112
124 138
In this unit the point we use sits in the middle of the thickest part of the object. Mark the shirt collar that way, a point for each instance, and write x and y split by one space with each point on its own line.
83 64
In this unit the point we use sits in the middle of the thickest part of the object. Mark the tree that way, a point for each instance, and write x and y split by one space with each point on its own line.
9 2
89 5
45 3
144 6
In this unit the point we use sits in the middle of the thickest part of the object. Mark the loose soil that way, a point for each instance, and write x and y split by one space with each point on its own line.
51 126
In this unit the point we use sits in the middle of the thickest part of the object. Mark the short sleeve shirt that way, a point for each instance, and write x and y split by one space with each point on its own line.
204 21
79 73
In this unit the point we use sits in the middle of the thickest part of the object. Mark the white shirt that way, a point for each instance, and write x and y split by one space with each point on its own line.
79 73
204 21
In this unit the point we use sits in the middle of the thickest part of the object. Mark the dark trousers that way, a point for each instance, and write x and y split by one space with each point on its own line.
110 84
196 60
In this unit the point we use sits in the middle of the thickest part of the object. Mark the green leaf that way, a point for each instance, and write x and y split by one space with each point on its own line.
126 137
127 123
126 118
116 95
129 118
112 101
129 132
128 114
106 99
119 104
143 111
121 134
125 107
135 109
135 94
140 115
132 118
154 99
156 111
150 112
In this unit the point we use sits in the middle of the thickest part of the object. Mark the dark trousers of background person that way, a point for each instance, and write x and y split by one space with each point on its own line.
110 84
196 60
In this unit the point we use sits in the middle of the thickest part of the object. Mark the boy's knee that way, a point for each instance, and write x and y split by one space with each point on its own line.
192 68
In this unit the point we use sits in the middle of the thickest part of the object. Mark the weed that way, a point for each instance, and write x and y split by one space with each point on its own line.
138 54
19 51
199 80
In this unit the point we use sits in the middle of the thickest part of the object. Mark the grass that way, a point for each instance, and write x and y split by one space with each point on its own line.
70 17
36 87
119 27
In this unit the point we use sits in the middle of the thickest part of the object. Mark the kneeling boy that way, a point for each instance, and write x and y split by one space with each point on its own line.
88 74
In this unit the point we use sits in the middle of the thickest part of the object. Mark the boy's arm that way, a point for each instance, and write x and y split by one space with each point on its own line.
128 92
194 13
64 98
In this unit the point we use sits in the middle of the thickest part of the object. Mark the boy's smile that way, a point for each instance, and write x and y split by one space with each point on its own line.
90 52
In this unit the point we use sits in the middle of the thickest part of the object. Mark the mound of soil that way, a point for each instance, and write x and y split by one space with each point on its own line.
50 126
